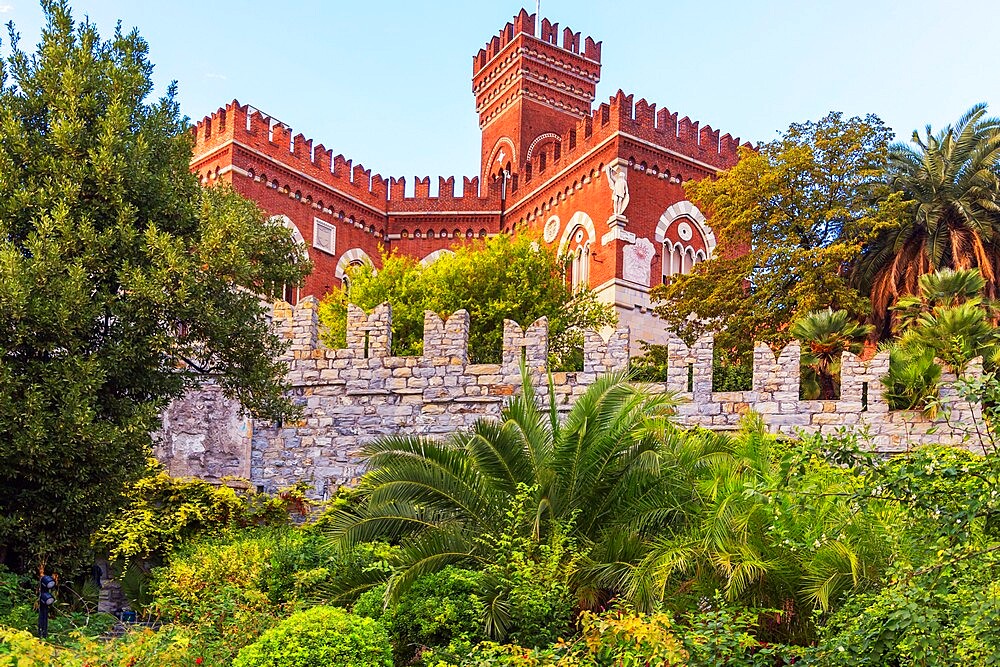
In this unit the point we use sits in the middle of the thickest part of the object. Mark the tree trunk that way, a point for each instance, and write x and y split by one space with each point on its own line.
827 387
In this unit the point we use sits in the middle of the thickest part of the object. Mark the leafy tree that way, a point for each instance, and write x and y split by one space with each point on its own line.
494 279
607 473
951 185
827 334
791 217
122 282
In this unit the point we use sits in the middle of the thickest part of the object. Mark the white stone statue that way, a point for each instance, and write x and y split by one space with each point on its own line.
618 182
636 259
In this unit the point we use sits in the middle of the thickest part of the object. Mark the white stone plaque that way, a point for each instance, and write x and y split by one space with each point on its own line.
636 261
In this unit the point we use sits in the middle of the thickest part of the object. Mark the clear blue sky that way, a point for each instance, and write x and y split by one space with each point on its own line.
388 83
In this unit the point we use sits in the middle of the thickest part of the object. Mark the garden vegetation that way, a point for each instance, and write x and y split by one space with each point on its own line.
602 536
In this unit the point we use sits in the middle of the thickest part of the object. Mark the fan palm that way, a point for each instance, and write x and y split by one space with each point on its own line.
951 181
913 378
945 288
826 334
609 471
957 335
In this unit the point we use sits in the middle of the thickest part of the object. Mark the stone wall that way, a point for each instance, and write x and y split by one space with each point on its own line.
205 435
351 396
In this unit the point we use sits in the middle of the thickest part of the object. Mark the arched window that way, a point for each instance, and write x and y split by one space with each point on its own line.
686 237
346 278
579 249
353 257
290 293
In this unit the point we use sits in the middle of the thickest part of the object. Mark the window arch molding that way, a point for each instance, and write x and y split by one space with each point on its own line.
539 139
685 210
435 256
352 256
291 293
296 234
579 220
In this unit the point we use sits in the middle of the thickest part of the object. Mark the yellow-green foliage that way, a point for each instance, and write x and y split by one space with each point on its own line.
21 649
222 587
630 641
143 648
320 636
613 639
164 512
494 279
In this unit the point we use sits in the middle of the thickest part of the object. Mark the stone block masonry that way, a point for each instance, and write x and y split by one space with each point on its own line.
354 395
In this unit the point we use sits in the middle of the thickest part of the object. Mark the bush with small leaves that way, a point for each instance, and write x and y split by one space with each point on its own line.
319 637
439 609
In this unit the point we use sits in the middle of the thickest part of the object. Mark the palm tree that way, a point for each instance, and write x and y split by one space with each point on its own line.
945 288
957 335
609 471
951 183
826 334
770 540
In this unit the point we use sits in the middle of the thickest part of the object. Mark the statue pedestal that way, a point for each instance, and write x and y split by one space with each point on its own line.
617 220
617 232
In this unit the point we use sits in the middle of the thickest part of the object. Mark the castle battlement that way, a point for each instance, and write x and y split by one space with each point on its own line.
643 121
350 396
272 139
524 24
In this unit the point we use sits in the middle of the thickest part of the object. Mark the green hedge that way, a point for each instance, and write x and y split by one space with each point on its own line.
319 637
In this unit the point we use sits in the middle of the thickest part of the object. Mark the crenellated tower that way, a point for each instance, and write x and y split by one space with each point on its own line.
531 88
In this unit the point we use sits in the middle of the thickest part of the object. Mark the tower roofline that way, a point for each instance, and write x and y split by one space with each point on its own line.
524 24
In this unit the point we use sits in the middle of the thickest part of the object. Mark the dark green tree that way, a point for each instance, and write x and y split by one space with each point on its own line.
122 282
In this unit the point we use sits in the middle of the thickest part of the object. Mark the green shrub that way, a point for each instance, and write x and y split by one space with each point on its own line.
949 622
319 637
722 636
165 512
535 585
366 565
438 610
227 587
14 589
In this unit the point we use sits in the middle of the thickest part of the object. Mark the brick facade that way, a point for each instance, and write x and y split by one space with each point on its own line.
544 155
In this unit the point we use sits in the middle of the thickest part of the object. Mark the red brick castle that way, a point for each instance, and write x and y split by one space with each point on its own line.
603 186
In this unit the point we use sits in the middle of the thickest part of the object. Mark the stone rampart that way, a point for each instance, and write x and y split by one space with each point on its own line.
353 395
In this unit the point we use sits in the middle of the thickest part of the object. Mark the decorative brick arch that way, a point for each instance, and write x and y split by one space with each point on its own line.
579 219
502 141
350 257
435 256
686 210
296 234
539 139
